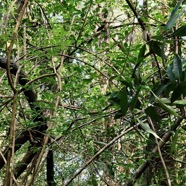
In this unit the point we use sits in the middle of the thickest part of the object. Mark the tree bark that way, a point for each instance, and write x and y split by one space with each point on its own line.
50 168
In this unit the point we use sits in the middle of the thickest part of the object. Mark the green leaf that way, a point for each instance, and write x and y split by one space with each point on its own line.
136 71
141 53
94 181
176 93
180 31
165 107
174 16
124 101
152 113
180 102
165 100
146 128
114 97
155 47
160 88
126 83
177 67
175 9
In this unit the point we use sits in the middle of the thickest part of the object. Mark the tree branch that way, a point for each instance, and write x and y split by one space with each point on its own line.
9 49
99 153
162 142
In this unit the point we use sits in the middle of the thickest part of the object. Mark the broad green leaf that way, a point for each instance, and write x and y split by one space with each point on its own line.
184 75
165 100
176 9
177 67
165 107
161 88
147 129
124 101
179 90
134 100
152 113
174 16
180 31
136 73
171 86
141 53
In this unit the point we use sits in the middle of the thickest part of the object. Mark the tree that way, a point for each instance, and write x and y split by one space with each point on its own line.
92 93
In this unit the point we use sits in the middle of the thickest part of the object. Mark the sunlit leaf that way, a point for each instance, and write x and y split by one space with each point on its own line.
146 128
165 107
180 102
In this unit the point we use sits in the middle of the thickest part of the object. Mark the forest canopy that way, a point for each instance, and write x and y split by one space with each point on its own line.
92 92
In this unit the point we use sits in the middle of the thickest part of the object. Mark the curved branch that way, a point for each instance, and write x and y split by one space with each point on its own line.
22 79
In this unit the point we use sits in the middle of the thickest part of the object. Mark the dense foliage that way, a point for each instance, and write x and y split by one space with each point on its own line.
92 92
